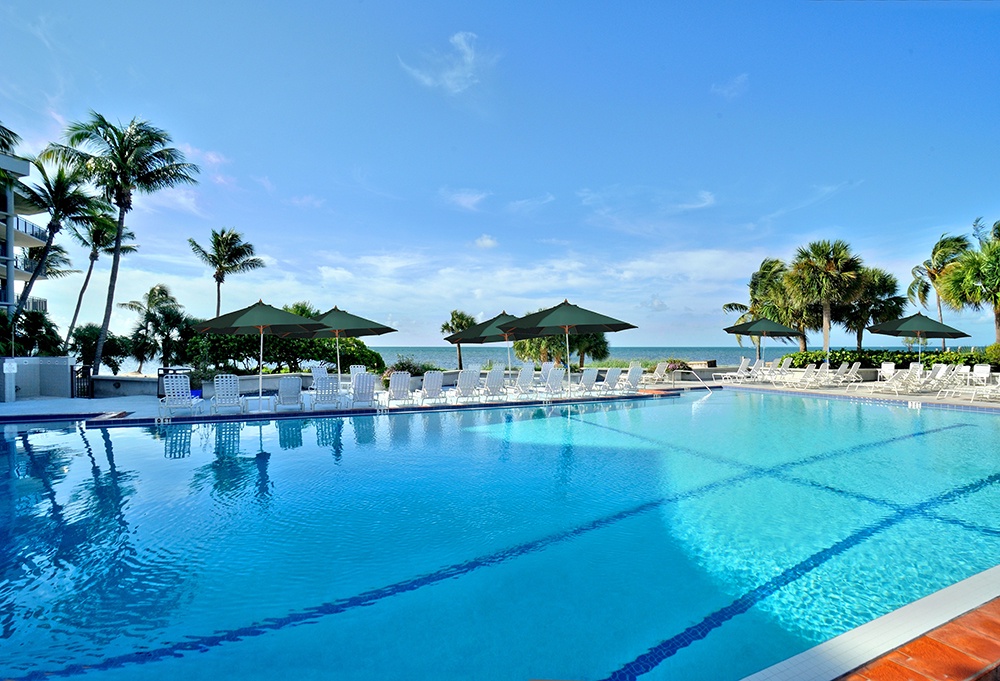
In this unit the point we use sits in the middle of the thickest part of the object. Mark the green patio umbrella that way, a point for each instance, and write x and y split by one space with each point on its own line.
486 332
917 326
563 319
340 324
762 327
260 319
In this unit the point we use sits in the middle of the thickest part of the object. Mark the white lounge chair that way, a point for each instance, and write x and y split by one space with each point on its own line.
587 381
399 389
546 368
467 386
659 375
431 389
780 371
177 395
629 383
326 393
227 394
610 382
554 386
318 374
494 388
523 385
851 376
289 393
362 390
741 372
803 379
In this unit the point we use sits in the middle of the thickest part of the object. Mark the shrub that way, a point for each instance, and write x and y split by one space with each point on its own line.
874 358
406 364
991 353
674 364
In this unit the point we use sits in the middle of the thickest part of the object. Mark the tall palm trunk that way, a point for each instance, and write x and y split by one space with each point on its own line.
458 346
110 305
996 323
861 332
39 266
944 346
79 300
827 316
218 297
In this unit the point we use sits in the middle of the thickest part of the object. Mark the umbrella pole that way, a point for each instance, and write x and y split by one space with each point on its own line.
260 371
509 365
338 360
567 356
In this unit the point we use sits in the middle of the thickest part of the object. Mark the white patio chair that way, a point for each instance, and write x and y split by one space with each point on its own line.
362 390
730 376
227 394
802 380
289 393
523 385
554 386
780 371
659 375
546 368
318 374
399 389
177 395
629 383
610 382
493 388
431 389
885 371
468 383
586 384
326 393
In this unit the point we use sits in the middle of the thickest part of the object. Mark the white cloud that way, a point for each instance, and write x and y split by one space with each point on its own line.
266 183
467 199
704 200
528 205
211 159
733 88
486 241
307 201
455 72
335 274
183 199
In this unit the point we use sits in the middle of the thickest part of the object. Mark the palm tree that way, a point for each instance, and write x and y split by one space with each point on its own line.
878 301
8 139
122 161
825 273
459 321
156 321
974 280
926 275
229 254
96 232
63 196
56 266
766 297
593 344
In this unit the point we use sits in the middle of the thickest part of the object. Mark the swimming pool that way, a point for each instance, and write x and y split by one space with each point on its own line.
704 536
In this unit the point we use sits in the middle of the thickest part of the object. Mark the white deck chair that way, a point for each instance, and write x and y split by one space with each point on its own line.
659 374
898 382
227 394
802 380
779 372
740 372
546 368
522 387
885 371
610 382
177 395
553 385
629 383
587 381
493 388
755 374
289 393
468 383
318 374
362 390
326 393
399 389
431 389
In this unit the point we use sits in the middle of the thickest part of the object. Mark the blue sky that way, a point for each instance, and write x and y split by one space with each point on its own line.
401 160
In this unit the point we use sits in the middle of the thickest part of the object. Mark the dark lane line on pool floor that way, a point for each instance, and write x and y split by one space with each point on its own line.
660 652
205 642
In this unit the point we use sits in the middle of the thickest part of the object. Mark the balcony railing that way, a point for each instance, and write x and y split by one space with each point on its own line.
33 304
22 225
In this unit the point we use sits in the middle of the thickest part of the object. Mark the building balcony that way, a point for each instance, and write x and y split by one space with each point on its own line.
26 234
33 305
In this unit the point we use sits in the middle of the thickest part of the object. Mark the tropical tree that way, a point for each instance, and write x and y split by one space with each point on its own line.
878 301
228 254
56 266
121 161
63 195
768 299
974 280
96 232
8 139
593 344
84 346
944 254
824 273
158 319
459 321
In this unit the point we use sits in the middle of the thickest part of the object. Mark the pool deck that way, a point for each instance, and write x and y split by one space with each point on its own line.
951 634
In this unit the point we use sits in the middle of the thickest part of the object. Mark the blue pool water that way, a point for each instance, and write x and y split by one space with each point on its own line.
701 537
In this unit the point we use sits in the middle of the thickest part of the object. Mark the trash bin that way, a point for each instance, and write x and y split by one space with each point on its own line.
163 371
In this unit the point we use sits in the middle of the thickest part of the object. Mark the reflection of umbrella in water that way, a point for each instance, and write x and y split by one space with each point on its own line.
260 319
341 324
761 328
563 319
917 326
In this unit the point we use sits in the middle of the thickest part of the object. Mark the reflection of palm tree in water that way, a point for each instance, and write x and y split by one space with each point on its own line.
88 578
330 433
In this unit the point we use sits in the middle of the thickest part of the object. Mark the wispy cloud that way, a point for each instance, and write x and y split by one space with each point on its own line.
467 199
307 201
486 241
529 205
819 194
211 159
733 88
181 199
456 71
266 183
704 200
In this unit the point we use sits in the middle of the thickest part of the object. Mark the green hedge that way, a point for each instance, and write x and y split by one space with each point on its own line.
874 358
